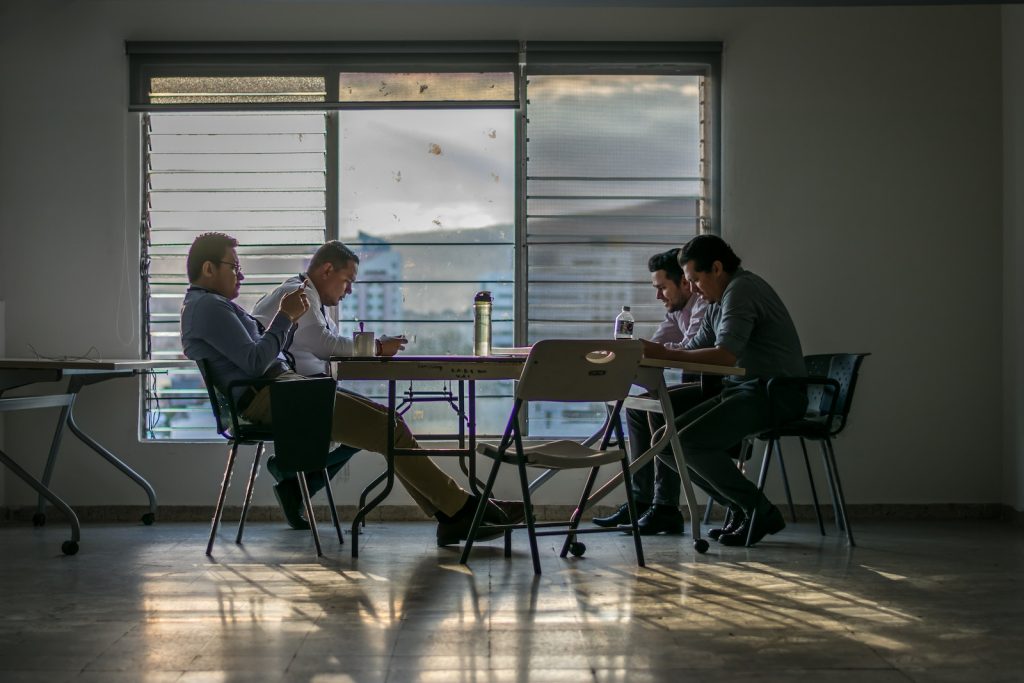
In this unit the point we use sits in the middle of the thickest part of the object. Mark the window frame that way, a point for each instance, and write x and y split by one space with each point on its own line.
524 59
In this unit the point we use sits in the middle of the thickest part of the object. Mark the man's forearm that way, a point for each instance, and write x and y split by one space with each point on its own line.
716 355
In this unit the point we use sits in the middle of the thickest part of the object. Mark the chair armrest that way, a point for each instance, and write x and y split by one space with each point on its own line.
229 398
830 385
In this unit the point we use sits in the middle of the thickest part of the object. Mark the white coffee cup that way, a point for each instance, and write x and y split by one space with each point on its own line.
362 344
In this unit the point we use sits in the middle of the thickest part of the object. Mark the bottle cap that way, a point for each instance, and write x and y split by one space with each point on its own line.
482 296
625 308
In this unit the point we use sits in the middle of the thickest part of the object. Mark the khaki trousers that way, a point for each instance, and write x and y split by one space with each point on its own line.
361 423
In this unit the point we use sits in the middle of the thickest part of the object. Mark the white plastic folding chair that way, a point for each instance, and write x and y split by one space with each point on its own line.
565 371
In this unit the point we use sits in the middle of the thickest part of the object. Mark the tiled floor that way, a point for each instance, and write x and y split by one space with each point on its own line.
923 601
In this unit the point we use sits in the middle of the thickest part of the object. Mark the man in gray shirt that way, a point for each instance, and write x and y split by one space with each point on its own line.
746 326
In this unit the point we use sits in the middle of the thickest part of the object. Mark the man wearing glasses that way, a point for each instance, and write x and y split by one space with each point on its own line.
215 329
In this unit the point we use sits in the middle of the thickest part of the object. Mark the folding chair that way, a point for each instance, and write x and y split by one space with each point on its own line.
565 371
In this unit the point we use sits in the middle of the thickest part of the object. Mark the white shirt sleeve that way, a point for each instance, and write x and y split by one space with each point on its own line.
316 338
317 335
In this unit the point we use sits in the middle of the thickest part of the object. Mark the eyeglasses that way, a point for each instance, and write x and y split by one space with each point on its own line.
237 267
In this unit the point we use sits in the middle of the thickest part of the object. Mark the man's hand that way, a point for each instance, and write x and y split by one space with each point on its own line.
654 350
716 355
295 304
389 346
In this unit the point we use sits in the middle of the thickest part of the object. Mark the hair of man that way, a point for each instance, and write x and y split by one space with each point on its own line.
704 250
210 246
335 253
667 261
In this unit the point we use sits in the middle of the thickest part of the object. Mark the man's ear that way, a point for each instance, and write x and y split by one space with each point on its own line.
208 268
717 269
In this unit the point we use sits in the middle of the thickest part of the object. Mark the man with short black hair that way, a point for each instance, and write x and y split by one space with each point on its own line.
746 326
332 271
655 486
215 329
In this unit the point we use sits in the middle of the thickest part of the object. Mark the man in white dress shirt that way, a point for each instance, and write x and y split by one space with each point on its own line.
330 275
655 485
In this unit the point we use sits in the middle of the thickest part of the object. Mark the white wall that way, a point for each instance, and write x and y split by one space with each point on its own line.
1013 253
862 177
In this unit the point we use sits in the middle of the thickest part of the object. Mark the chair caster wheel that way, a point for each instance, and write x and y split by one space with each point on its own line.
576 549
700 545
148 518
69 547
39 519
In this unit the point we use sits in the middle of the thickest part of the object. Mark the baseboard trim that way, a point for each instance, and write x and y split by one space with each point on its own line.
1013 515
407 513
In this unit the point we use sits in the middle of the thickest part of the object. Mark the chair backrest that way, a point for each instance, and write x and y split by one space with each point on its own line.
580 370
301 412
218 402
843 368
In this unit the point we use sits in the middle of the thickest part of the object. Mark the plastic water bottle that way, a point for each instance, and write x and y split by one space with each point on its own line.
624 324
482 323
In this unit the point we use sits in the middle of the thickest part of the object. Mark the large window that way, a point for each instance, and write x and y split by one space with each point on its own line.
548 181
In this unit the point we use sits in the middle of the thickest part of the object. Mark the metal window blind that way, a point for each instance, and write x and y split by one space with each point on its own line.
259 176
614 175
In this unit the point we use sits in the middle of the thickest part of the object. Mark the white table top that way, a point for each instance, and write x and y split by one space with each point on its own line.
92 365
429 367
475 367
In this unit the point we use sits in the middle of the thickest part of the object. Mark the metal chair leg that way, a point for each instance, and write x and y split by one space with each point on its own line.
334 509
785 479
577 515
707 510
530 527
478 516
814 491
631 506
765 461
839 490
219 509
832 488
248 491
310 517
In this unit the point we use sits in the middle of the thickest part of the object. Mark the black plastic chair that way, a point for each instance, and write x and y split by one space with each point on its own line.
238 433
302 413
830 383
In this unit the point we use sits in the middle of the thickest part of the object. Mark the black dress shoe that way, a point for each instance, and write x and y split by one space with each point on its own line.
735 522
765 523
290 499
620 516
457 530
661 519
